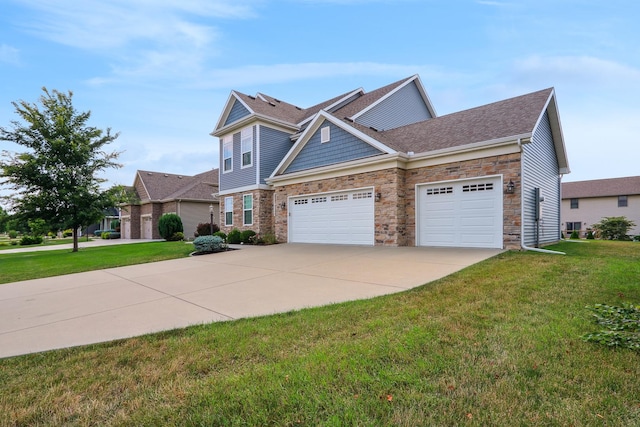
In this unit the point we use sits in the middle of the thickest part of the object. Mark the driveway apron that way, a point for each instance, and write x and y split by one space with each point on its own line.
103 305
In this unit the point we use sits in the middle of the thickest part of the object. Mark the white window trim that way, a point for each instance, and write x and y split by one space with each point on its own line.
227 141
246 134
325 134
228 203
245 210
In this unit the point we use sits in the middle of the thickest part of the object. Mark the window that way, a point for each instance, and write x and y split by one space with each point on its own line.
246 142
622 201
227 154
325 134
228 211
574 226
247 209
574 203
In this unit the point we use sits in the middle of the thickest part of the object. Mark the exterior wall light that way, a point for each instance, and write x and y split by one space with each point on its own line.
511 187
378 197
283 205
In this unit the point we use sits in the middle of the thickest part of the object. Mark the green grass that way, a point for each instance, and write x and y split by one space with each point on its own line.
5 242
32 265
495 344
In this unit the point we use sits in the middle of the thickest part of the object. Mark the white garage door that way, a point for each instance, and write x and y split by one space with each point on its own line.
147 231
342 218
461 214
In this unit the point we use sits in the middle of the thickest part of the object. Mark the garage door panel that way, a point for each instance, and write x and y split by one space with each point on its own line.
343 218
462 213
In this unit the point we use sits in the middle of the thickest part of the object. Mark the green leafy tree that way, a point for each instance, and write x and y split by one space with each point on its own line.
613 228
38 227
4 218
57 178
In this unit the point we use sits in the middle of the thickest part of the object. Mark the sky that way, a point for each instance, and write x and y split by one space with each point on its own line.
159 72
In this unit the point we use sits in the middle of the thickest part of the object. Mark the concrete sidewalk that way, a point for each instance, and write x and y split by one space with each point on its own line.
103 305
82 243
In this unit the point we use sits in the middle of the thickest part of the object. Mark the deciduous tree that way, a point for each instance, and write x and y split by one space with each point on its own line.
57 178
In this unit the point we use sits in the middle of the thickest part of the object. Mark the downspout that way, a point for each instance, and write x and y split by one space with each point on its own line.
522 244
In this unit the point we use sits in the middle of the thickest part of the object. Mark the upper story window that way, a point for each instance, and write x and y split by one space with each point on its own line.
246 142
227 154
622 201
325 134
574 204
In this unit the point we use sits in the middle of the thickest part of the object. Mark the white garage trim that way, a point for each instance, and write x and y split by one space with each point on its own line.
460 213
336 217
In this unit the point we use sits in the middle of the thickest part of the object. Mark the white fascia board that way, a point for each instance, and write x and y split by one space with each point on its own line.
227 109
320 118
244 189
260 118
556 132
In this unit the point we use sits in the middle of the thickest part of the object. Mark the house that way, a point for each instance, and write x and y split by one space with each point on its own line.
585 203
382 168
110 215
156 193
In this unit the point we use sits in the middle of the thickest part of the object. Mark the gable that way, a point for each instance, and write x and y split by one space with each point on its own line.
237 112
404 107
342 147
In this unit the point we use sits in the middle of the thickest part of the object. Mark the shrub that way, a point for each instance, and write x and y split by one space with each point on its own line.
115 224
169 224
30 240
269 239
176 237
590 235
221 235
614 228
247 237
69 232
208 244
13 234
14 243
574 235
204 229
636 238
234 237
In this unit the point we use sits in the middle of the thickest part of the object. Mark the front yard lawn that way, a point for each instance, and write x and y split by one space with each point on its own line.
497 344
33 265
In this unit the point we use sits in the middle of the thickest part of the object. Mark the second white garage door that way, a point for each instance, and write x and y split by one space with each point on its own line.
340 218
461 214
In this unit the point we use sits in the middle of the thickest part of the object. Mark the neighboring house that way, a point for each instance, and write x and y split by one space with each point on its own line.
585 203
381 168
110 215
157 193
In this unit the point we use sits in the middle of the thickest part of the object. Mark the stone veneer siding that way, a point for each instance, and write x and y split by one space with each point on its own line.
395 213
262 212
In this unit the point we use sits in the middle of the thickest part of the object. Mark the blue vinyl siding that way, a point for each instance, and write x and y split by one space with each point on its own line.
274 145
342 147
540 169
402 108
239 177
237 112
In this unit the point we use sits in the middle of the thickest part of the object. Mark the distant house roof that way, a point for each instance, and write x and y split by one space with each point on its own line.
161 186
611 187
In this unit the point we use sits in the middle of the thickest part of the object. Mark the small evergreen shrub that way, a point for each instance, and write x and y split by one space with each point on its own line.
234 237
248 237
168 225
30 240
221 235
176 237
13 234
208 244
590 235
575 235
204 229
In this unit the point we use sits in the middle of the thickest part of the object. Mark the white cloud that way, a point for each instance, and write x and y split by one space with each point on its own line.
9 54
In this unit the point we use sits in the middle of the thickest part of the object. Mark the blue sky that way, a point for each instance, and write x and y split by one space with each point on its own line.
160 71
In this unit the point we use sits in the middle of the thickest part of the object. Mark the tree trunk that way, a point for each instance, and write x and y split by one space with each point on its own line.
75 239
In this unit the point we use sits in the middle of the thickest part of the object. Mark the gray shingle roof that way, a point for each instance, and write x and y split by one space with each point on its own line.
166 186
514 116
611 187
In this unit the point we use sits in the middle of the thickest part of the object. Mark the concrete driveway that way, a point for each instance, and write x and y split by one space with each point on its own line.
103 305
